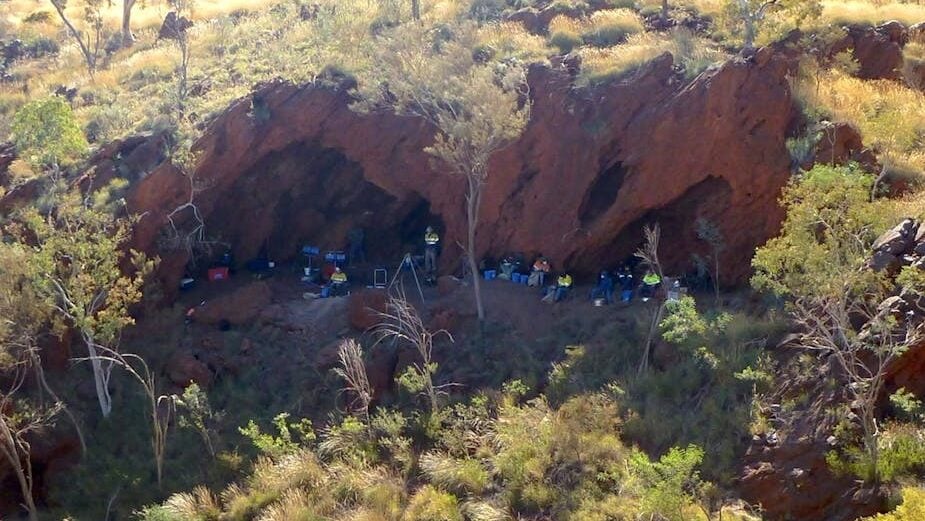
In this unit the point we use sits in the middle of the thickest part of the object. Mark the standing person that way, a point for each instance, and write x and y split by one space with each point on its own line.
604 288
650 284
538 275
627 284
563 284
356 239
431 243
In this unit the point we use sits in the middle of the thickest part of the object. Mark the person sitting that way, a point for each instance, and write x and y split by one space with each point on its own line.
338 282
650 284
538 274
563 284
627 284
604 288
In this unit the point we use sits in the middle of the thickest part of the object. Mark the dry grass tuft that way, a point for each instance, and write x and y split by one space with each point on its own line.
511 40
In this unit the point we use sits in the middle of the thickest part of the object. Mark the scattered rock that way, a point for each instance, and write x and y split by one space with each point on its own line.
898 239
184 368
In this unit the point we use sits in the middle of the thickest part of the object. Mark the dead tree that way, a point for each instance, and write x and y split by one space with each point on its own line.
864 356
162 408
648 253
15 430
402 323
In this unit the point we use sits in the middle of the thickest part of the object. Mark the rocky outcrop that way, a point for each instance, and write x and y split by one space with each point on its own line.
591 169
786 470
878 50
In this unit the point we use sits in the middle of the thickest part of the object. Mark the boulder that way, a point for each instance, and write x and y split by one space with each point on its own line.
878 50
899 239
884 260
183 368
839 144
239 307
365 308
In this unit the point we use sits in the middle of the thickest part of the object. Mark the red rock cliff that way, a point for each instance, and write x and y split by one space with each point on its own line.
290 165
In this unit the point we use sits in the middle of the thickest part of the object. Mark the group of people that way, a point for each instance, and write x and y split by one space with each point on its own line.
606 288
609 283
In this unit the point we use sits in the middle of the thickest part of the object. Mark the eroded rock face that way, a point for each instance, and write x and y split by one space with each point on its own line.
878 50
295 165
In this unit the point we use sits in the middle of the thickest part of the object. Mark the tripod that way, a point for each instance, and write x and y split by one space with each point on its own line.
407 259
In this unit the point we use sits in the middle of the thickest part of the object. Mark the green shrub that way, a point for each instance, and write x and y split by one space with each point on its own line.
430 504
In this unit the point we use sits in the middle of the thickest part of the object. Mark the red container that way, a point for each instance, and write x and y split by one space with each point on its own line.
217 274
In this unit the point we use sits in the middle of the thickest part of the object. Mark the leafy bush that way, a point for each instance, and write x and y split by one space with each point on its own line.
46 132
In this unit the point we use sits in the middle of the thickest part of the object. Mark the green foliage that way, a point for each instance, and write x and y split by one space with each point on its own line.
825 238
197 414
672 484
430 504
283 443
46 132
901 455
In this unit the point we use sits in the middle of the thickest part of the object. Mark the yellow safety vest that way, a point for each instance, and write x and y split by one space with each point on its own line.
651 279
565 281
338 277
431 239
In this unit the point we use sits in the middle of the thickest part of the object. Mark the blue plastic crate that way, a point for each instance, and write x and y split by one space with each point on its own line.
490 274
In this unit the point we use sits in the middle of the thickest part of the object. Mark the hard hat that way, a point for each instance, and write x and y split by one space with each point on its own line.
430 229
337 269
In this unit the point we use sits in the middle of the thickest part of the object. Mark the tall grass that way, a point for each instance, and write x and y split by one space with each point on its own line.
612 26
890 116
869 12
512 40
694 53
602 29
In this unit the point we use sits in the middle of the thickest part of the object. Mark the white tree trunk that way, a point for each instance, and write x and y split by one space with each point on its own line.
473 200
100 377
127 37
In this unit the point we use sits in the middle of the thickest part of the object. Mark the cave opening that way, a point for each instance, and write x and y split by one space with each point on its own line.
309 194
678 242
602 194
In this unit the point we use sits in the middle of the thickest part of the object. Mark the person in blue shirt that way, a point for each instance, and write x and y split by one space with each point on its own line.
604 288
